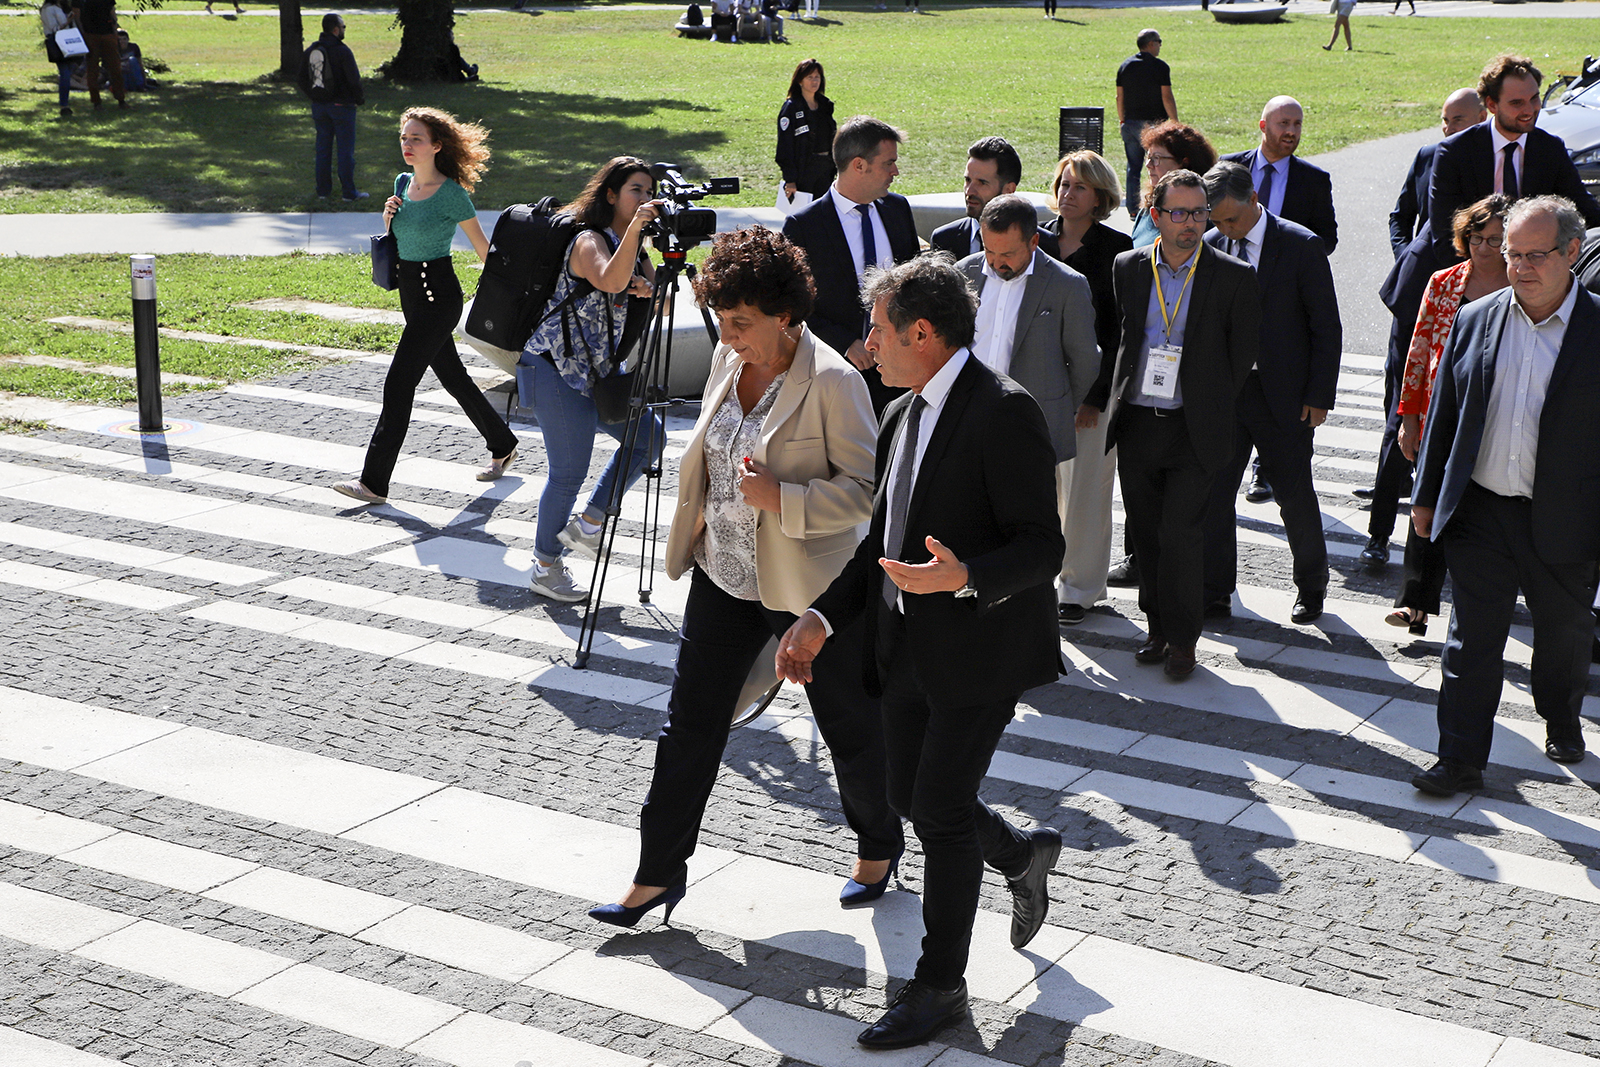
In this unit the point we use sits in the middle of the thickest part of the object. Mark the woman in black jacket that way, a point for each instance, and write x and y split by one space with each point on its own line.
805 133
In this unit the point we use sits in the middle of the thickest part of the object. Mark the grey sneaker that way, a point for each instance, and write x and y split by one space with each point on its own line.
582 544
557 584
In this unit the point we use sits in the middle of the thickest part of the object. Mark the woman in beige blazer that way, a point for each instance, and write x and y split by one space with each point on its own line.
775 481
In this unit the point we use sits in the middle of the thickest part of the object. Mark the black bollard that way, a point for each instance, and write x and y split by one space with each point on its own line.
146 343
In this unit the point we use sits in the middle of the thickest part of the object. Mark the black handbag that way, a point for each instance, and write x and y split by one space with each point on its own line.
386 250
612 396
52 51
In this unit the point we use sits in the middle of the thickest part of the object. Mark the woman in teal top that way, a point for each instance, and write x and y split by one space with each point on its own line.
446 158
1168 146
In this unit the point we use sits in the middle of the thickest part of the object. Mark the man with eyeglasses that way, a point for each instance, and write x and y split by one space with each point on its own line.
1508 482
1191 327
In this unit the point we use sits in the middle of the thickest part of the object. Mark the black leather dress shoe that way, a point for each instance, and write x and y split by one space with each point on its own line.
1220 608
1447 778
1180 662
1307 608
1376 554
1564 750
1124 575
1259 492
1153 651
1366 492
1071 614
917 1012
1030 894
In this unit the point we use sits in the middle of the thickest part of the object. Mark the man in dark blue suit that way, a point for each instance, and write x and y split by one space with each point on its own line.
993 169
1286 395
1462 108
859 225
1287 185
1508 482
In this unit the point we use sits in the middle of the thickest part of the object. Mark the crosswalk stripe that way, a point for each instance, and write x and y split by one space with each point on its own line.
784 905
26 1050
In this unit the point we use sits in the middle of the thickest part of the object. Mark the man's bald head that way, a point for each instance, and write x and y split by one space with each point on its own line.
1281 120
1462 108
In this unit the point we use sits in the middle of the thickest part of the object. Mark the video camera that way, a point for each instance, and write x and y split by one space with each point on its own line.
680 223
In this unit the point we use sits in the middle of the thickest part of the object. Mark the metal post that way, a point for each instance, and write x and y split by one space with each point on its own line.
146 343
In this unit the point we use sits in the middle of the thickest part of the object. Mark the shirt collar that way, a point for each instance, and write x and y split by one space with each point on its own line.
1500 140
1562 314
988 272
1155 252
843 203
938 387
1258 232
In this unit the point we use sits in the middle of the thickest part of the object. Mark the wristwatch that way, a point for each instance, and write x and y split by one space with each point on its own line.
968 590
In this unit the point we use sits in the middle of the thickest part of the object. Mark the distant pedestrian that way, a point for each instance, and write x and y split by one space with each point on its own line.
1049 9
1144 98
1397 4
237 10
328 75
53 16
1341 17
98 21
805 133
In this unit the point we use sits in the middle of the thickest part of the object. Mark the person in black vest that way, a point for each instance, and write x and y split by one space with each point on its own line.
328 75
1144 98
805 132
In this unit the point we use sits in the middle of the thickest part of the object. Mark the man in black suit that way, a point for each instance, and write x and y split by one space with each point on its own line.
1286 396
1461 109
955 572
1187 345
1508 482
1508 154
859 225
1287 185
993 169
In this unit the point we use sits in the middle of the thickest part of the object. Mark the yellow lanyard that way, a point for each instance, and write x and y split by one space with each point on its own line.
1161 296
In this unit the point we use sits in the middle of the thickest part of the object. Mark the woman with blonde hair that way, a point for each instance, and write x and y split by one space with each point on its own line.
447 158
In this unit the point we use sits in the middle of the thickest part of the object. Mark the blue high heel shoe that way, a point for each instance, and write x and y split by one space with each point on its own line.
855 893
618 915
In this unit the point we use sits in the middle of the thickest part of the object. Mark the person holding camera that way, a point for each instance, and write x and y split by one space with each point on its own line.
447 157
571 351
773 484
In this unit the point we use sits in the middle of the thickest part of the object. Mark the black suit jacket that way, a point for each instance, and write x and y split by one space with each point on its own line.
1301 336
1307 198
1410 214
1221 340
1100 248
991 499
1566 479
838 317
955 238
1463 173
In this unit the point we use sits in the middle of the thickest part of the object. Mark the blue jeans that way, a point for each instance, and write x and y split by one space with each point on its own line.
1130 144
64 82
568 421
335 120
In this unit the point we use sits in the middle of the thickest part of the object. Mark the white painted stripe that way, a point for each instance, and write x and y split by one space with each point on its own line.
184 566
208 964
192 870
25 1050
306 900
828 1041
36 918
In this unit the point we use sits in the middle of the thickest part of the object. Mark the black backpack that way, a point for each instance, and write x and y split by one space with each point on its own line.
694 17
526 254
317 74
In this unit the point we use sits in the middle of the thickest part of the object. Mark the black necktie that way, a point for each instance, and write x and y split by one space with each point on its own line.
869 254
1264 194
1508 176
900 493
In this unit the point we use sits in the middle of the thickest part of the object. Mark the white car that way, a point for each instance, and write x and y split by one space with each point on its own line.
1576 120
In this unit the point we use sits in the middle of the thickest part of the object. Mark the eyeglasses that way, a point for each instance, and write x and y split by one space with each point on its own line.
1494 242
1532 259
1179 214
1152 160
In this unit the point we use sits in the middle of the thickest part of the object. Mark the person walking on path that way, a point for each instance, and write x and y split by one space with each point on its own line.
447 158
1341 17
98 21
1397 3
1144 97
54 16
328 75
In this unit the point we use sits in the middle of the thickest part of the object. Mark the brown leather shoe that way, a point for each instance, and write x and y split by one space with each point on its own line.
1180 662
1150 653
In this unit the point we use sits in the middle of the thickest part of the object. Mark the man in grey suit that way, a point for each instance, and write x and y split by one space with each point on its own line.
1508 482
1036 326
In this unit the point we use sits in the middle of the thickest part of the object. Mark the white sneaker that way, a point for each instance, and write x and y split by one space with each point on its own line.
582 544
557 584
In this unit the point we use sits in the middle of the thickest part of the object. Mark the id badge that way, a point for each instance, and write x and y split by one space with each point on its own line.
1161 372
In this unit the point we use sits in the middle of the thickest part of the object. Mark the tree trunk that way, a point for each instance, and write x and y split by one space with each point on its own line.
425 39
291 39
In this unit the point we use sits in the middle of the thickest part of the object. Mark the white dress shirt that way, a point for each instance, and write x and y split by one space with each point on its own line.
1526 356
1250 247
850 219
997 317
1500 140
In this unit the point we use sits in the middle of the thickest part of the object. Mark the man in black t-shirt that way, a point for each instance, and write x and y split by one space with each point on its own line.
1144 97
98 20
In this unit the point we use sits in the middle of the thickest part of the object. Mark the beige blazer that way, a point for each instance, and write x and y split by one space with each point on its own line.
819 440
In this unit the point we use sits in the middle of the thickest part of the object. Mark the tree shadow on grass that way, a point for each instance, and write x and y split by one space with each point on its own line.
211 147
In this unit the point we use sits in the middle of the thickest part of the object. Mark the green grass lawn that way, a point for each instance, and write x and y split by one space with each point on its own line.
564 91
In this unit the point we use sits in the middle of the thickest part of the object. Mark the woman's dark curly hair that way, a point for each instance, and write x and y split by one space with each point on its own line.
759 267
1184 143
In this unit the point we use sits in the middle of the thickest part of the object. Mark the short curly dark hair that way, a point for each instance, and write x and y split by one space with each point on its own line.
759 267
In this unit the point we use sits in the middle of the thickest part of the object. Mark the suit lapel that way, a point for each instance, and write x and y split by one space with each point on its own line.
1494 325
949 417
1138 307
1032 295
1483 157
1271 246
790 393
1205 270
1579 330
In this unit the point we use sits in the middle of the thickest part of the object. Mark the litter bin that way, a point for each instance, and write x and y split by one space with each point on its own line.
1082 127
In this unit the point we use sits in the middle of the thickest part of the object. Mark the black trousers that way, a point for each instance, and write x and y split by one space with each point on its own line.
1285 456
1165 492
1394 469
1489 547
720 639
937 757
430 298
1422 575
